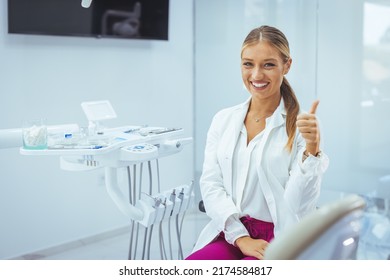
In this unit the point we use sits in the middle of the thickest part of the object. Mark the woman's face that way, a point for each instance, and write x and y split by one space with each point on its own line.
262 70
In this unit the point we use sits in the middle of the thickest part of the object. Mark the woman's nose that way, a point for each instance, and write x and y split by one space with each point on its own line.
257 73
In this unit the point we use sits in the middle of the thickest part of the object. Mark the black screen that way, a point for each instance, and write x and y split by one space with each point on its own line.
132 19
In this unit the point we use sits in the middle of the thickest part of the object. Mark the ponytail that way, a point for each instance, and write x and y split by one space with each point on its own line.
292 107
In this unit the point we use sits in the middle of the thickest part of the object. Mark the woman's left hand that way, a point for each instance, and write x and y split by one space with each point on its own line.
252 247
307 125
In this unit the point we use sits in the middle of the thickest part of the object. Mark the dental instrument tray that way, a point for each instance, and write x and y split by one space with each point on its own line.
111 139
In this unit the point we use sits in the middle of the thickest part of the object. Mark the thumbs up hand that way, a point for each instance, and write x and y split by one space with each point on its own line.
307 125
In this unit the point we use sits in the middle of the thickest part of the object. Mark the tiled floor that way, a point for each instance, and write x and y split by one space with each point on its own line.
115 245
114 248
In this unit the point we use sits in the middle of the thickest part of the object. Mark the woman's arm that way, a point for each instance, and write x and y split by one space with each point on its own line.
218 202
309 164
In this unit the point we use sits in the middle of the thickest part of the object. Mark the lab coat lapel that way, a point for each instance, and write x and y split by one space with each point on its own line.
273 122
233 129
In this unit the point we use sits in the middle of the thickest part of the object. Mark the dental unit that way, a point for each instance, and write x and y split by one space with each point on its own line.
133 149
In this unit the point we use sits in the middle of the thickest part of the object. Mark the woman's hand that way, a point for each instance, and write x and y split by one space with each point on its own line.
307 125
252 247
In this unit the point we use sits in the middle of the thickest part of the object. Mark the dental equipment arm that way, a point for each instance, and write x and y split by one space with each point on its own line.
10 138
118 197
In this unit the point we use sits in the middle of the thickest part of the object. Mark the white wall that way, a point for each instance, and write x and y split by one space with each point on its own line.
147 82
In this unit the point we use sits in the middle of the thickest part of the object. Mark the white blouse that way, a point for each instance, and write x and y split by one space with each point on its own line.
253 202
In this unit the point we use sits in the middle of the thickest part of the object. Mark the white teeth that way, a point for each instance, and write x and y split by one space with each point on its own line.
259 85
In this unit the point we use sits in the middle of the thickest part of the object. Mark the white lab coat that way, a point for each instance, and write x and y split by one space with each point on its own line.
291 188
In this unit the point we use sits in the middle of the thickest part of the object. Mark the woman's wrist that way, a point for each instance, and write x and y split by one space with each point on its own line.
240 240
313 149
306 154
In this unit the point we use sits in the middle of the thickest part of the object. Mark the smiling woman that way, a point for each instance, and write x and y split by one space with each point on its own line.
263 167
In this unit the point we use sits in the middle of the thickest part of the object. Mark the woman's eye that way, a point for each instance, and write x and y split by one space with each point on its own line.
269 65
247 64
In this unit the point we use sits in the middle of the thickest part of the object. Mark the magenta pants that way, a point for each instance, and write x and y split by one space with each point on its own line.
220 249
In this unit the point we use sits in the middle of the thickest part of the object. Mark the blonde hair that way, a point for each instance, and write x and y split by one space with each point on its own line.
278 40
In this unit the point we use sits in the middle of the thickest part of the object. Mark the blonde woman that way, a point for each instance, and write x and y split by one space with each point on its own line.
263 163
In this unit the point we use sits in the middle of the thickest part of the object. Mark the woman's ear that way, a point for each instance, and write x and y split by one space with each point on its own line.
287 66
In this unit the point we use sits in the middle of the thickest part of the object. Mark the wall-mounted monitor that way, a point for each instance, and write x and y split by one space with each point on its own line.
128 19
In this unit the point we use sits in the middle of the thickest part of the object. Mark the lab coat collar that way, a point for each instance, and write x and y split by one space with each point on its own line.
275 120
278 117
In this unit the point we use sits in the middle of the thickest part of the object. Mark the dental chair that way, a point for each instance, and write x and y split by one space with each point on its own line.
329 233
